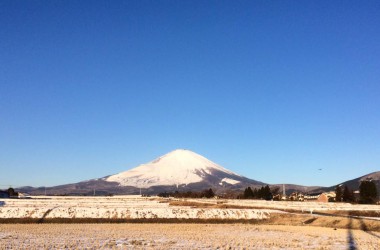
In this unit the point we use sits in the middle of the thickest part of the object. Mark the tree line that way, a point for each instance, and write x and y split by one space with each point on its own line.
10 192
207 193
367 193
264 193
344 194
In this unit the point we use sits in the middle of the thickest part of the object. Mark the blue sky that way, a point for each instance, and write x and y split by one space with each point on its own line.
273 90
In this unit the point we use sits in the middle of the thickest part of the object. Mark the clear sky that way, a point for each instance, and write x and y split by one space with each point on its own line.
272 90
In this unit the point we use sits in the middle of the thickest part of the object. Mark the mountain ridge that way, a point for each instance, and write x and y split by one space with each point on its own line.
354 184
179 170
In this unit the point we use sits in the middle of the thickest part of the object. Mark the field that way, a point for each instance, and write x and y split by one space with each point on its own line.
181 236
152 222
118 207
137 207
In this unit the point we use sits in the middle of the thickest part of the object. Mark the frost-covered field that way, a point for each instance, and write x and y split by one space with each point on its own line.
296 205
181 236
118 207
136 207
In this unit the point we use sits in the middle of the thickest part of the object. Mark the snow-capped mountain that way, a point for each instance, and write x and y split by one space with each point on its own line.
180 170
179 167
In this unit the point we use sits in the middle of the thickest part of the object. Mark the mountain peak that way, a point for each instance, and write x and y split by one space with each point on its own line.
178 154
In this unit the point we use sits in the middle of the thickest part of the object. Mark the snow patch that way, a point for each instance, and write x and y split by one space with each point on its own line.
229 181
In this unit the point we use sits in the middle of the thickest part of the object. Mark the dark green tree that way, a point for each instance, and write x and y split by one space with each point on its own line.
208 193
12 192
338 193
368 192
261 193
275 190
267 193
248 193
255 193
348 195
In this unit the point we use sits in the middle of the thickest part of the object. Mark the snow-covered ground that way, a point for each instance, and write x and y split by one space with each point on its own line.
300 206
171 236
137 207
118 207
181 236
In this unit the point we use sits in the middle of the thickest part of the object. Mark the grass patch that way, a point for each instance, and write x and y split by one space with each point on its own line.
323 221
221 205
350 213
132 221
195 204
275 219
309 221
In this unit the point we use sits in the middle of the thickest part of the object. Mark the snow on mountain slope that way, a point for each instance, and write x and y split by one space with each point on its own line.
175 168
229 181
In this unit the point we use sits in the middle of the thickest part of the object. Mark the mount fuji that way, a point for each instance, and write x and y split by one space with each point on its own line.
180 169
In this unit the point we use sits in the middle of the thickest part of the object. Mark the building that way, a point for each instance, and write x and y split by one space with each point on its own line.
296 196
321 197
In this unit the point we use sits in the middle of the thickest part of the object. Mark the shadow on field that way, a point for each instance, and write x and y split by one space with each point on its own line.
350 237
41 220
364 227
2 203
